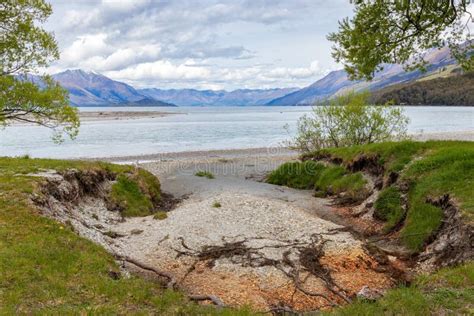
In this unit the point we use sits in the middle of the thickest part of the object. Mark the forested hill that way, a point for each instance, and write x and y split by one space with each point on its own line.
454 90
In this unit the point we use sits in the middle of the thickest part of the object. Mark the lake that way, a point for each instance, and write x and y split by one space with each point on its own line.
197 128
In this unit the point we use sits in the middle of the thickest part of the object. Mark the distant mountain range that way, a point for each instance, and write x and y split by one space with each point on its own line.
191 97
337 82
93 89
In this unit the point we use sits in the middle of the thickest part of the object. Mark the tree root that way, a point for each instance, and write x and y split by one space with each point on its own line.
299 257
171 284
214 299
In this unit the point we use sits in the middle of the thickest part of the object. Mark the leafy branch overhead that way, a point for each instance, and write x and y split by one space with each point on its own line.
25 46
399 32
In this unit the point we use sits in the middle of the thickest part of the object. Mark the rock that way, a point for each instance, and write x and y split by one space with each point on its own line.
366 293
136 231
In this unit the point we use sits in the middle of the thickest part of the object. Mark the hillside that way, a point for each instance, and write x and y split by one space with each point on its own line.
337 82
92 89
454 90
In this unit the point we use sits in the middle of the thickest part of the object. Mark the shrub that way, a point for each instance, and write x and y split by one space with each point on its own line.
216 204
205 174
349 120
388 207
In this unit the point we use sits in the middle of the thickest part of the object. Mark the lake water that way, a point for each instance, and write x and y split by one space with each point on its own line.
197 128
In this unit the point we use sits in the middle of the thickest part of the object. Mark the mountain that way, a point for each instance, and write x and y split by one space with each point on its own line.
337 82
92 89
321 89
192 97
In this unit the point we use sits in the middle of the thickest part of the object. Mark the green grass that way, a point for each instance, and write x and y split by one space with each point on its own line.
388 208
298 175
325 180
449 291
204 174
46 268
431 169
135 194
216 204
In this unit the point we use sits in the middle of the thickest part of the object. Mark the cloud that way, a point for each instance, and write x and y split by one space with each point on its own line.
159 70
193 43
207 76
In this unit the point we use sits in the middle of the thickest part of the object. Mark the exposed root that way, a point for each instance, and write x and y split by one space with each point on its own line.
171 281
214 299
299 262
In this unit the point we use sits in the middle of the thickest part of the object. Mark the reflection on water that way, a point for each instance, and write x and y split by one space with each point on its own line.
197 128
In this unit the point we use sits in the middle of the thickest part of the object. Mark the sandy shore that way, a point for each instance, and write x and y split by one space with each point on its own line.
88 116
462 135
264 152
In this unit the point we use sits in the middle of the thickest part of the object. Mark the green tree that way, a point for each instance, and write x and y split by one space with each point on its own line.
349 120
399 32
25 46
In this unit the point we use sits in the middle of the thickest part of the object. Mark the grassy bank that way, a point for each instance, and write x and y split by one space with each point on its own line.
423 170
46 268
324 179
428 169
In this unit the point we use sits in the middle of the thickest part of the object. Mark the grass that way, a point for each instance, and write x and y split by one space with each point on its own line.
298 175
46 268
216 204
431 169
128 197
324 179
135 194
204 174
449 291
388 208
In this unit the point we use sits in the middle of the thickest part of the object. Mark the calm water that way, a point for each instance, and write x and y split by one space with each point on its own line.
197 128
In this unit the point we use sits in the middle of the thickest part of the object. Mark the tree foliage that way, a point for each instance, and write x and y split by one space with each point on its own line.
398 32
349 120
25 46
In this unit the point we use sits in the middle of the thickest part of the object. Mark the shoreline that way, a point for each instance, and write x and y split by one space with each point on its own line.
97 116
200 154
260 151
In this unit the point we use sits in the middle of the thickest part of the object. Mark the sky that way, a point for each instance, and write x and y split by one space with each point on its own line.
201 44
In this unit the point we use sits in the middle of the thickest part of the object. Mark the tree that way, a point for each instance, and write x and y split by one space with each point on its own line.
398 32
348 120
25 46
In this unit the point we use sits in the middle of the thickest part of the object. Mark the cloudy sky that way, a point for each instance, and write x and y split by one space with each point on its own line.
202 44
